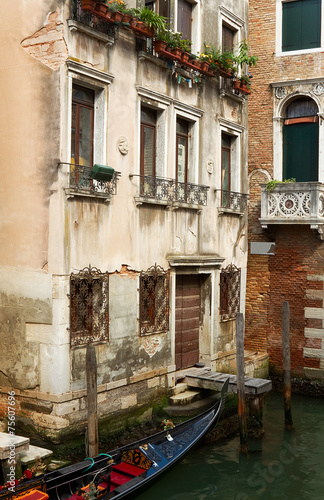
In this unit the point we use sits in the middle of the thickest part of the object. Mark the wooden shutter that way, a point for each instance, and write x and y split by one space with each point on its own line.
184 18
301 25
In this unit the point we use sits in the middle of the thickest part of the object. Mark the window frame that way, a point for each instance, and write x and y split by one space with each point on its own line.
151 126
278 50
79 104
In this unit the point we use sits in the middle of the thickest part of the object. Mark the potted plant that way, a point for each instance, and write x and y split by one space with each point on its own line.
88 5
174 44
185 46
117 9
152 19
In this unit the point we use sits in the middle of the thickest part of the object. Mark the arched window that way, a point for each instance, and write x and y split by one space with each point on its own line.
300 140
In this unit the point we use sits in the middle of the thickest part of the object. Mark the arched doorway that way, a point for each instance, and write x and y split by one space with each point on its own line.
300 140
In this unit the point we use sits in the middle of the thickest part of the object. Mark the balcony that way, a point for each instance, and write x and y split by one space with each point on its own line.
294 203
90 24
230 202
82 184
169 192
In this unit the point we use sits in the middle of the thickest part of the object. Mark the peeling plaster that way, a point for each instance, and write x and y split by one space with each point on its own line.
48 45
151 345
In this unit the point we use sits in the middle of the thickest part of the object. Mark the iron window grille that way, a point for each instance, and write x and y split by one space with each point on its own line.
89 301
230 291
154 300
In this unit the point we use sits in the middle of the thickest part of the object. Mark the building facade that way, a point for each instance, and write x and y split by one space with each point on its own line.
124 221
285 261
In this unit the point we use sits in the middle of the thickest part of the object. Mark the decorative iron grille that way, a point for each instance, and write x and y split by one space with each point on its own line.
230 290
154 300
234 201
169 190
77 14
81 182
89 319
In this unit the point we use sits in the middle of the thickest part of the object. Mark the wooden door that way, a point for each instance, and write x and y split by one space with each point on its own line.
187 321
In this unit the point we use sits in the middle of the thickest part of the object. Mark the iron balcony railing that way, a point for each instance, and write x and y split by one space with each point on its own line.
161 189
234 201
82 183
77 14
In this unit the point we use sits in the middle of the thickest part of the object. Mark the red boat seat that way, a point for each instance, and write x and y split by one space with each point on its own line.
33 495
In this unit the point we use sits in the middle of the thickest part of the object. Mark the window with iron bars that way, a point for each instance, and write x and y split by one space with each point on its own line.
89 318
154 300
230 289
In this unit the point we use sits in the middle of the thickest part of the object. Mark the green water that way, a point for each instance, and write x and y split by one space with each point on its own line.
280 465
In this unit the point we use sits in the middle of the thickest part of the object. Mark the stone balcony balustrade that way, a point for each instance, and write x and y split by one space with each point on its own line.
294 203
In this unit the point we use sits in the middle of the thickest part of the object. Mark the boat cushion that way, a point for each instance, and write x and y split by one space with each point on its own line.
128 469
33 495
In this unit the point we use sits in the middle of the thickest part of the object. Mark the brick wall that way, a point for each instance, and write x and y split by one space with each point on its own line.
295 273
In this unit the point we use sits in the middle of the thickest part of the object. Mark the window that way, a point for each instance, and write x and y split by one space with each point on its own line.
182 151
88 307
230 287
154 301
300 141
159 6
82 126
228 35
301 25
148 141
184 18
226 168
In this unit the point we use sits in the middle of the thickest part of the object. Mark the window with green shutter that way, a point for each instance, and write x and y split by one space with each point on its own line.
301 25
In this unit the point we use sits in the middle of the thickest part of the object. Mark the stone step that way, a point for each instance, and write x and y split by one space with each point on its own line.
29 456
185 398
11 444
178 389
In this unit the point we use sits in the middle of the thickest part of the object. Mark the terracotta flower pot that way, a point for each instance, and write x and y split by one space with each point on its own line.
185 57
88 5
126 18
160 46
177 53
117 16
236 85
101 10
204 66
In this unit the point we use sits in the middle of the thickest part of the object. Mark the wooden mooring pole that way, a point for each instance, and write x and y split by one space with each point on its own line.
240 381
92 434
286 364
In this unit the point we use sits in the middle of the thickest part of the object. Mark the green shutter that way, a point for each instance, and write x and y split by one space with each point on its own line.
291 26
301 25
311 28
300 152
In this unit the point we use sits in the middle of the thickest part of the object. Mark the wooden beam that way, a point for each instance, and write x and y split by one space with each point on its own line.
91 369
286 364
240 381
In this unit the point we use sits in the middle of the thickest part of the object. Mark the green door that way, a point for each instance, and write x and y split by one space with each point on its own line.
300 152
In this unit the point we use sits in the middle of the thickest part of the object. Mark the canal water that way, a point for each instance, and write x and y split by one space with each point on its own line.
281 465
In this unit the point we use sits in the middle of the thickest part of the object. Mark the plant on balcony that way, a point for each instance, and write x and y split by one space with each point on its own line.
271 185
243 58
116 6
152 19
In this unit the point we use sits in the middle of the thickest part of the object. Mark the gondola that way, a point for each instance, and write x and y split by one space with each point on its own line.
125 472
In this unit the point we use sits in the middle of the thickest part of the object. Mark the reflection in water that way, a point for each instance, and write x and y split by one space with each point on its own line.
281 465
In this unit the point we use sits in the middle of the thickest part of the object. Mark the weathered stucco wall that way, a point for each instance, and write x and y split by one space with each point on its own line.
47 234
